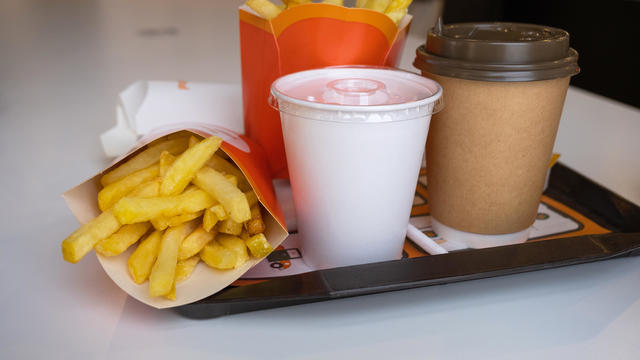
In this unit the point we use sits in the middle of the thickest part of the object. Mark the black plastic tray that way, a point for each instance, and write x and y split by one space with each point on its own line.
570 188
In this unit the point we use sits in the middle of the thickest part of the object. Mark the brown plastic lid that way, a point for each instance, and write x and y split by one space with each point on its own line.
497 51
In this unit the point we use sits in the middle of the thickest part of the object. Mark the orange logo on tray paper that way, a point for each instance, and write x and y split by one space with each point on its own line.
281 258
182 85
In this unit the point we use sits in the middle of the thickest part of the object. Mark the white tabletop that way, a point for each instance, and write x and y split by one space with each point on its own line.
62 64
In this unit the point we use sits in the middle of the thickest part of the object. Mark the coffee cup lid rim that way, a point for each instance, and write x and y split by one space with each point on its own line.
497 51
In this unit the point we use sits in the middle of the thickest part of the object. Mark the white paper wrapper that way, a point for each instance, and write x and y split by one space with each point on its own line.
145 106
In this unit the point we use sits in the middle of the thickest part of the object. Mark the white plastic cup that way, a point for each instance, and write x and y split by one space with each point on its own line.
354 139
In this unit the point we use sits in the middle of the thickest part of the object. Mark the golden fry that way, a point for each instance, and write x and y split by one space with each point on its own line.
145 159
81 241
334 2
132 210
219 211
120 241
163 272
209 220
218 257
171 295
221 165
232 199
252 198
255 225
236 244
143 257
259 246
185 268
264 8
113 192
397 15
378 5
193 140
229 227
185 167
146 190
163 222
166 160
193 243
232 179
292 3
396 5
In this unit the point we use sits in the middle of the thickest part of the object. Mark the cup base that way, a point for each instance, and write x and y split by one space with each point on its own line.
477 241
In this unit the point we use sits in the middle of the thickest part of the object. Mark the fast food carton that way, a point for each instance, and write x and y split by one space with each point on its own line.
204 281
300 38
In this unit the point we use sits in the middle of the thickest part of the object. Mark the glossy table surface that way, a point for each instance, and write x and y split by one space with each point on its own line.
61 66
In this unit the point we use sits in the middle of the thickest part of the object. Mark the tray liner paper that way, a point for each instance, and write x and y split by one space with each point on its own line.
300 38
553 221
204 281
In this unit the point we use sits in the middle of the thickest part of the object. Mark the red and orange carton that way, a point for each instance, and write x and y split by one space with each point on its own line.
300 38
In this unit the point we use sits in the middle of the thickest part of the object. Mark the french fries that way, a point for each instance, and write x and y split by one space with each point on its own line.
292 3
185 267
121 240
252 198
377 5
397 15
218 257
185 167
232 199
163 222
143 258
229 227
212 215
145 159
259 246
223 166
132 210
396 5
264 8
232 179
394 9
163 273
237 245
209 220
166 160
194 243
193 140
173 192
113 192
81 241
255 225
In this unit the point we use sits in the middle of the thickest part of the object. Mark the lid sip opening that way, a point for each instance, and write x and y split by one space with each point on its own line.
356 91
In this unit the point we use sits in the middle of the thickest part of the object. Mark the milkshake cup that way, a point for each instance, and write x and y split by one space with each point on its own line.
354 140
488 151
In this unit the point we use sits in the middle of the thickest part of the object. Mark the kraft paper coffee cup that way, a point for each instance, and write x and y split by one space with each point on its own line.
488 151
354 139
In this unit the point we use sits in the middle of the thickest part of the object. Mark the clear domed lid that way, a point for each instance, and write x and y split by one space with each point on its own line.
359 86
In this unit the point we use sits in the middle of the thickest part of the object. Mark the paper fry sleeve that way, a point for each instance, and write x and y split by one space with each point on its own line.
204 281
